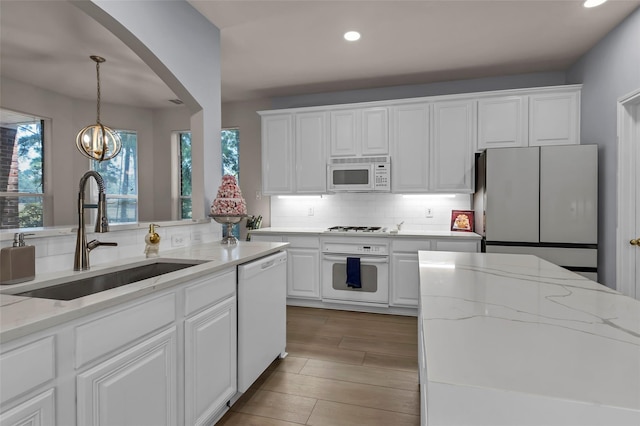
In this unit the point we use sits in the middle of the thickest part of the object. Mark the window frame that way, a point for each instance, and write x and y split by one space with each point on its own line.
47 189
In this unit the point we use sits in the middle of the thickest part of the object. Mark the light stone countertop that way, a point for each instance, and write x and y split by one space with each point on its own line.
324 233
513 339
20 316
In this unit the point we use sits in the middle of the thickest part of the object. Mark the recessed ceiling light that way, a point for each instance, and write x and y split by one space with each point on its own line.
352 35
593 3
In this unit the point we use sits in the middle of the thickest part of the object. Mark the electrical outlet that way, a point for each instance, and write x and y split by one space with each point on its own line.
258 195
179 240
196 236
428 212
310 212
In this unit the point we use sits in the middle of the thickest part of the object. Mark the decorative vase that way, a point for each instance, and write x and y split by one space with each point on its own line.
229 221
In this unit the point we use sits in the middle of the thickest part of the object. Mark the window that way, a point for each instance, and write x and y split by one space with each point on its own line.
21 170
120 176
230 140
184 153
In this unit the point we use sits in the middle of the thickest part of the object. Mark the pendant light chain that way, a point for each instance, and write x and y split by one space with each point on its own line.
98 78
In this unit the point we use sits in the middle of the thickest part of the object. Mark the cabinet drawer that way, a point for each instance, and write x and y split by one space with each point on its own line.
209 290
266 238
121 327
27 367
472 246
411 246
304 242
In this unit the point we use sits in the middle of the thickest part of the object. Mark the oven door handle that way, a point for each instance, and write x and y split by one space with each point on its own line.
381 259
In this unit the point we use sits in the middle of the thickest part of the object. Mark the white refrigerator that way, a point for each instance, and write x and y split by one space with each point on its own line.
541 201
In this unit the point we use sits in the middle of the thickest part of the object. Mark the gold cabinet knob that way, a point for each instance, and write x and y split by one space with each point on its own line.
635 242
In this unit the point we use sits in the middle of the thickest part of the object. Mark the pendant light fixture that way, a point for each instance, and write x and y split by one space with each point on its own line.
97 141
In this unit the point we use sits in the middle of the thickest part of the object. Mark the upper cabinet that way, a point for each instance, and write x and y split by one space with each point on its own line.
277 154
410 148
431 141
453 138
502 122
310 145
554 118
294 153
359 132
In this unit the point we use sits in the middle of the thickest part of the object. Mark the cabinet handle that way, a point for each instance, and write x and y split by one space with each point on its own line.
635 242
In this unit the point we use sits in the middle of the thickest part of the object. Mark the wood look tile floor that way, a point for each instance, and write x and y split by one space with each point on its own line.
344 368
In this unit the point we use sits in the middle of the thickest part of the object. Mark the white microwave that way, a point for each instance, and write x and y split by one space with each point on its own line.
359 174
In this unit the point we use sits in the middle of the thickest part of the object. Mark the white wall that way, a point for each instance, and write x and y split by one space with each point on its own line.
67 165
610 70
384 210
243 116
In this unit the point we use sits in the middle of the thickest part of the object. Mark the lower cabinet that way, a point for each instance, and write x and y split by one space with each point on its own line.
405 271
136 387
125 365
210 361
303 273
38 410
303 264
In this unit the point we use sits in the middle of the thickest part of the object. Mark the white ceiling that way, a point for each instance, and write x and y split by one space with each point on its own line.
282 48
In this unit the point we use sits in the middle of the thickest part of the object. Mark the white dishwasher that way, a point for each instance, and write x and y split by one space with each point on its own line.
262 316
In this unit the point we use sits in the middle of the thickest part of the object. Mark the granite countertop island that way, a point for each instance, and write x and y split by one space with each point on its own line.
516 340
21 316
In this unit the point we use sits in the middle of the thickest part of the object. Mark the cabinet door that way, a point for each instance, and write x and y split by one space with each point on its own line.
344 132
303 275
405 279
502 122
375 131
136 387
210 370
311 165
410 148
277 154
553 119
36 411
452 152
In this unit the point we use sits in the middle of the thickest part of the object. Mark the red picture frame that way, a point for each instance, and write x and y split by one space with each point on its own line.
462 220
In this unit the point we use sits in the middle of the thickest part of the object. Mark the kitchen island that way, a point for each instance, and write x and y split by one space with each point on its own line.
513 339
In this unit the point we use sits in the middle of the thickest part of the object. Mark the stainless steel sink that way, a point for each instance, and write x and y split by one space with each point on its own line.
86 286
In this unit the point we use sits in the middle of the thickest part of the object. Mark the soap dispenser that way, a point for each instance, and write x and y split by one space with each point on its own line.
152 240
17 263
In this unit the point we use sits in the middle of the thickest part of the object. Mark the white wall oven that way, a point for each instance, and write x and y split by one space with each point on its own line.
368 258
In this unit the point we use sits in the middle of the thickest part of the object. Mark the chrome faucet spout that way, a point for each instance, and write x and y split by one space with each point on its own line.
81 258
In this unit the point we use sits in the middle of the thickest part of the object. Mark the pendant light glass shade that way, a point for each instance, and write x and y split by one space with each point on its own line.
97 141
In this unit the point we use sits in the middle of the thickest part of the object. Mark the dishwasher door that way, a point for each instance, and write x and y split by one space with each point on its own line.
262 316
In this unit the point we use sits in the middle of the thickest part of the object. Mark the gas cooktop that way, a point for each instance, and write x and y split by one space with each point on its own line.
356 229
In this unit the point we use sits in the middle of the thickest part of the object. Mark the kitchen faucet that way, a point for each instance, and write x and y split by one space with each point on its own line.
81 258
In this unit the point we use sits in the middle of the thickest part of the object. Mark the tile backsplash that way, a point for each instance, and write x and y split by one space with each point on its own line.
55 248
355 209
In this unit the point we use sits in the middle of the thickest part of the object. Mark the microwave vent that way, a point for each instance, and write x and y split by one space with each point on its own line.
359 160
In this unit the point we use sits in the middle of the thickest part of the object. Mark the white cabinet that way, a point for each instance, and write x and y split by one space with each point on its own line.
39 410
135 387
303 273
27 370
410 148
277 154
210 361
294 153
303 264
405 270
310 152
502 122
554 118
452 155
361 131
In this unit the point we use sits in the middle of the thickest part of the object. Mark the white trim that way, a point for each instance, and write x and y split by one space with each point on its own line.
628 131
